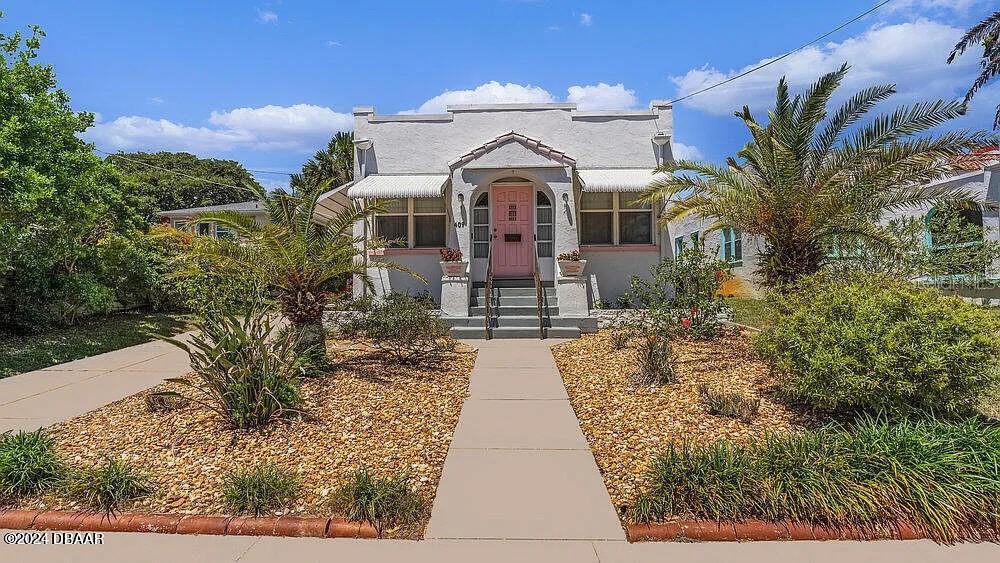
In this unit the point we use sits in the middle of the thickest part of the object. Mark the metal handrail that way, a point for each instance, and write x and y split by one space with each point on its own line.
538 284
489 289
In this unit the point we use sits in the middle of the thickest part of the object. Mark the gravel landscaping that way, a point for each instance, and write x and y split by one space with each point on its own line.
627 426
367 412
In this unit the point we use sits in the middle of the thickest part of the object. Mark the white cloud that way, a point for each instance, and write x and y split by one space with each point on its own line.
686 152
267 16
489 93
911 55
960 6
586 19
601 96
157 100
553 28
300 127
332 43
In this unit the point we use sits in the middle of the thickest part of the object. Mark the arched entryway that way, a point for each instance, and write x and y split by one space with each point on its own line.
512 220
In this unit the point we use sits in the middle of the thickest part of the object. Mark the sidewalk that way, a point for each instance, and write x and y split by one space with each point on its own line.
41 398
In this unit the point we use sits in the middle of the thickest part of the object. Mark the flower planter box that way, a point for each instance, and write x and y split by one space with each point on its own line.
572 267
454 269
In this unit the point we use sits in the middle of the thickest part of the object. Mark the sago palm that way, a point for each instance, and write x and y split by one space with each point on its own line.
808 180
987 34
293 254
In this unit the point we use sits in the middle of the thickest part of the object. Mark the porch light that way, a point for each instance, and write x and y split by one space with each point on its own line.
363 144
660 138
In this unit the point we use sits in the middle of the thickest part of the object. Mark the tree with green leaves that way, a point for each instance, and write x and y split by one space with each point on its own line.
809 179
333 165
293 255
57 199
985 33
178 180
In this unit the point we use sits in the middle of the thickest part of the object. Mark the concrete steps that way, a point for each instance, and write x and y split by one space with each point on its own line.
515 313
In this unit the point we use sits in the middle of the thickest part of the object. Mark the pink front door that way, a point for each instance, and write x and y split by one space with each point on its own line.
513 227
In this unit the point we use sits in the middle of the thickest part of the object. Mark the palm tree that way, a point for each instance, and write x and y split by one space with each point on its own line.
292 254
335 165
984 33
805 182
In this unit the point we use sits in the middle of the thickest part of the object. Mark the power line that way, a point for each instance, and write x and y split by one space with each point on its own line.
278 172
788 54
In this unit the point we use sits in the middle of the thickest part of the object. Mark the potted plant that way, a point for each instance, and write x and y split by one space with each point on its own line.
570 263
452 264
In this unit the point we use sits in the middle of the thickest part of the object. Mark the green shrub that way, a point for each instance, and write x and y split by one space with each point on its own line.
28 464
942 478
383 502
259 489
868 342
682 292
728 403
242 372
404 327
655 358
107 486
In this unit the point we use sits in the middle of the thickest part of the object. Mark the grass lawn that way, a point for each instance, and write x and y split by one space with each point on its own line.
19 354
750 312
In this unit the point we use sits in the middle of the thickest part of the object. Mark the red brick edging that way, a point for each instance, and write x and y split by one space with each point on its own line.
290 526
756 530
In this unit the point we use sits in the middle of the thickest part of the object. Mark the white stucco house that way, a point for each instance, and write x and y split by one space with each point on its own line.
513 186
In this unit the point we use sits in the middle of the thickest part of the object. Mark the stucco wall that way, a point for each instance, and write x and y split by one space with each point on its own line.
745 281
424 263
609 271
402 144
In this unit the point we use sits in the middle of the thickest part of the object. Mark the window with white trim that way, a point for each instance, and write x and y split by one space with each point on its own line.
615 218
413 222
732 246
597 218
481 226
180 225
635 219
544 231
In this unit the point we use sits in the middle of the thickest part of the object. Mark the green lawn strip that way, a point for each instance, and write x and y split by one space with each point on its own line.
750 312
940 477
19 354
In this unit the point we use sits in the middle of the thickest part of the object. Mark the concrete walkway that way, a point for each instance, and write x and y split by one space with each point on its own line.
519 466
41 398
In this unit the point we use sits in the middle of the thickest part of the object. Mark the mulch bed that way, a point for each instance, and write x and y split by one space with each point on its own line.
628 426
367 412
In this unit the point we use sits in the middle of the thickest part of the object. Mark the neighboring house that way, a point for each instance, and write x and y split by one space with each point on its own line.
182 219
327 207
505 183
982 180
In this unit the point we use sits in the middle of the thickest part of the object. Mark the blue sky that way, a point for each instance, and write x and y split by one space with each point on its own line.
266 83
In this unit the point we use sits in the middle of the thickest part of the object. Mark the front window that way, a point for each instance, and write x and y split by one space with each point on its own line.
413 222
543 220
615 218
635 220
180 225
204 229
597 218
481 226
392 225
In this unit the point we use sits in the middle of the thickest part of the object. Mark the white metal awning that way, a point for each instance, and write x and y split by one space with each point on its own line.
399 185
617 179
